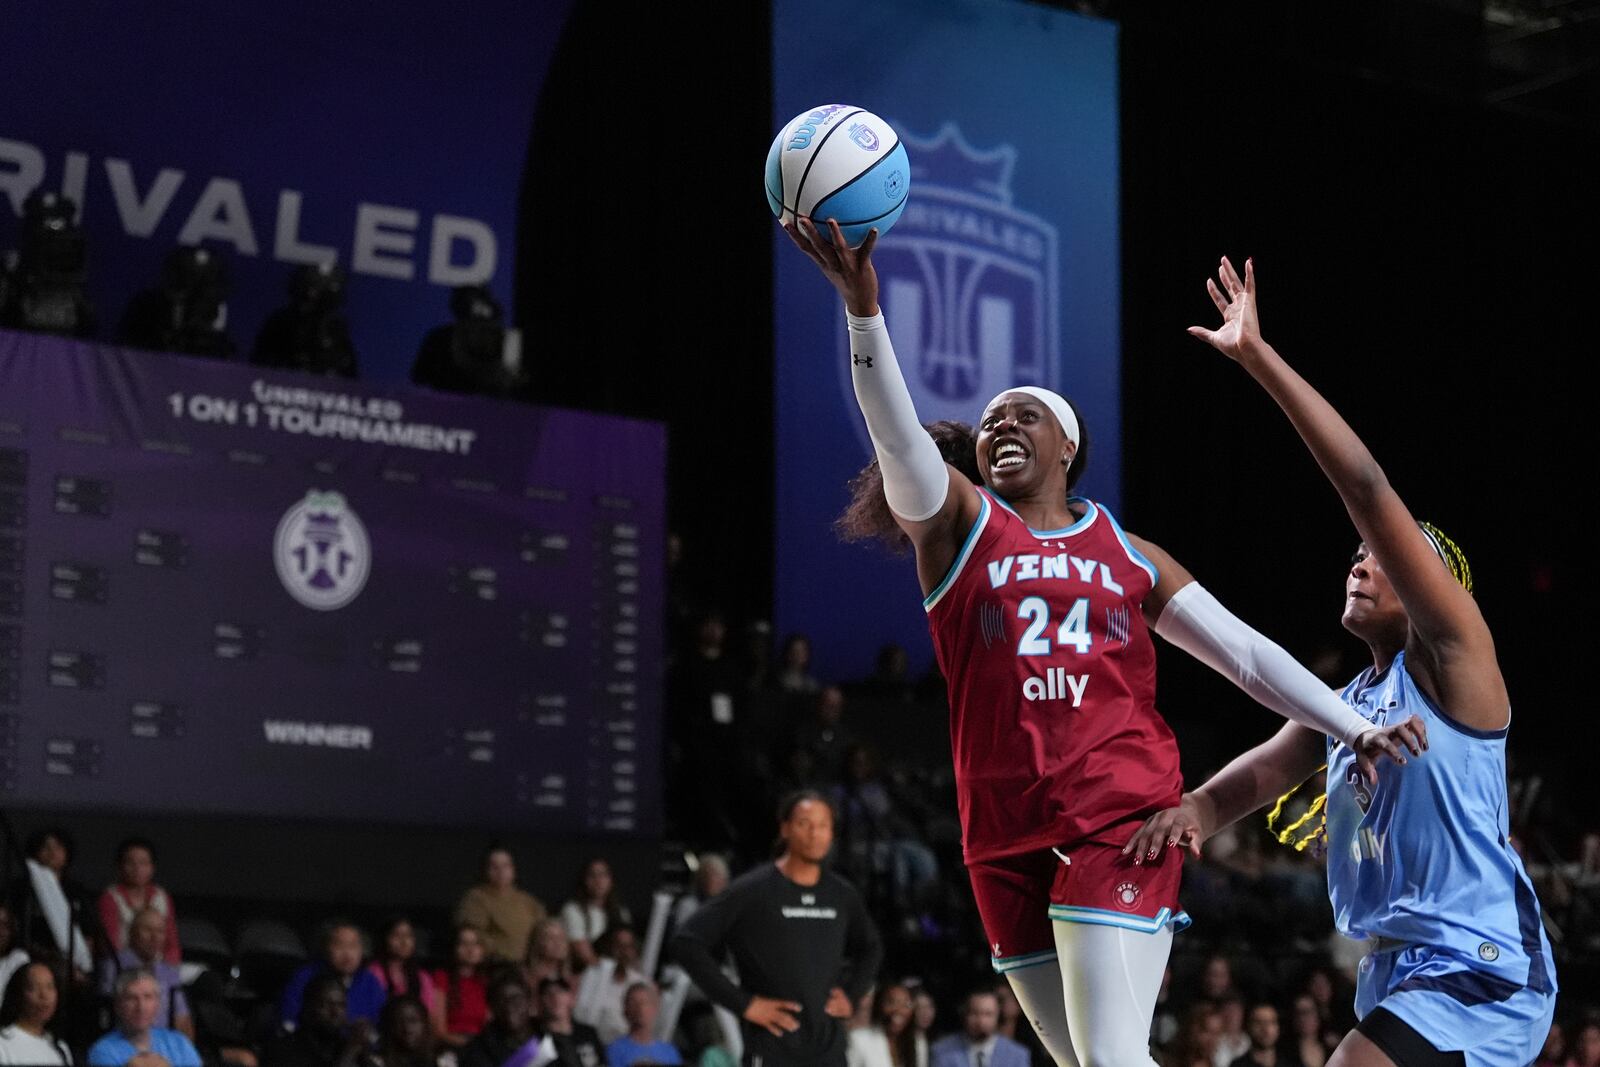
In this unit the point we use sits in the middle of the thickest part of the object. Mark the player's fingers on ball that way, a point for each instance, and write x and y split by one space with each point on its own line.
865 251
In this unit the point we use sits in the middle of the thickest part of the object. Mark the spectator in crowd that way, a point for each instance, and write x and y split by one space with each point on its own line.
605 985
707 1043
134 891
593 909
12 955
1015 1025
877 845
1164 1023
979 1042
1586 1045
51 899
824 737
705 697
757 665
793 675
576 1045
710 879
26 1012
341 956
504 914
1197 1038
146 940
891 1040
925 1012
1261 1027
890 681
1232 1041
641 1006
1216 980
1335 1005
463 989
508 1039
324 1035
137 1001
405 1035
397 972
1307 1037
549 954
1554 1052
791 927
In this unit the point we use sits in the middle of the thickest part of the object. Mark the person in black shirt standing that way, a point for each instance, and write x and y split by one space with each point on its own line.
791 927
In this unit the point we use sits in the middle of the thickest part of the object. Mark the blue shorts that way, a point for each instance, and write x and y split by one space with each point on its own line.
1456 1007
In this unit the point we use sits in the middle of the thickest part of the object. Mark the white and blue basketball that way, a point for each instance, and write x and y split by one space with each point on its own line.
839 162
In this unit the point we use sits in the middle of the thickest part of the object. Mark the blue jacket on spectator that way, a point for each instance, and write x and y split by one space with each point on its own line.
364 995
114 1050
957 1051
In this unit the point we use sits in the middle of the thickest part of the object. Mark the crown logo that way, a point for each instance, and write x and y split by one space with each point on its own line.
947 160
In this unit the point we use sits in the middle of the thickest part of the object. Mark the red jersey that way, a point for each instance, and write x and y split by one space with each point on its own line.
1052 677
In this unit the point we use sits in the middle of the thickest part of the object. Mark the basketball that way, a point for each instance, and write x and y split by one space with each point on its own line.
840 162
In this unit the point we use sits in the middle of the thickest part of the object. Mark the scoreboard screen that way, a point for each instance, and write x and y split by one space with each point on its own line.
225 590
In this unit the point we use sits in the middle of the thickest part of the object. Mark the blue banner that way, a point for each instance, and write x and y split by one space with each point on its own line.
232 592
388 138
1004 269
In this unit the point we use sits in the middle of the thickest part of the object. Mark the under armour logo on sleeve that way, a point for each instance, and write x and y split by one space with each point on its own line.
861 361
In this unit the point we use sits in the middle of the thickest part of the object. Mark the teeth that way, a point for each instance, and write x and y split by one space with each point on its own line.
1010 461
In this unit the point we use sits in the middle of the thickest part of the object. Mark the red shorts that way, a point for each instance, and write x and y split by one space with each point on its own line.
1020 896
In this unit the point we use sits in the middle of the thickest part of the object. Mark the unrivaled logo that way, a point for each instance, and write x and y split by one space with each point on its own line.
969 280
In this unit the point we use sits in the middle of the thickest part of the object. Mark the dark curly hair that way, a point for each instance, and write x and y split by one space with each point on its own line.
867 517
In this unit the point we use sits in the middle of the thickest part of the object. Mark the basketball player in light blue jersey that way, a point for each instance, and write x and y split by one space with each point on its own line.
1419 862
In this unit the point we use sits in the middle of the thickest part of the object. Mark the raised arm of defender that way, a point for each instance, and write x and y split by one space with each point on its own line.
1449 644
933 502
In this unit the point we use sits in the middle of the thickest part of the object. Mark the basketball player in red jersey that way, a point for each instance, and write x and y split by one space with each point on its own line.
1040 606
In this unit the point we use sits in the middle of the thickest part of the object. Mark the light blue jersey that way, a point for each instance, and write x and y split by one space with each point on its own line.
1423 863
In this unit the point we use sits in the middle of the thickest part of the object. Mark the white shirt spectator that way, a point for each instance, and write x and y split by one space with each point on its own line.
584 922
19 1046
600 998
869 1047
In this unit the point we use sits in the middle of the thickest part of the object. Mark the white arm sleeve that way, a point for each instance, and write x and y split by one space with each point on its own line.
1195 622
915 478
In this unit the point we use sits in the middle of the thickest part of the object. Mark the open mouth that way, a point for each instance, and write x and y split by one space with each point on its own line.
1354 595
1008 455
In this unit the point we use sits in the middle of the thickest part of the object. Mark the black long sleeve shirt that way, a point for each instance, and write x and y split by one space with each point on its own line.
789 942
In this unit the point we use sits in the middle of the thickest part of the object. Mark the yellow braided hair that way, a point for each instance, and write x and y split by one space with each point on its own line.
1461 571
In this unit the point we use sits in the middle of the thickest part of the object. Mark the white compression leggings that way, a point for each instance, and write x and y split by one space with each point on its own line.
1092 1005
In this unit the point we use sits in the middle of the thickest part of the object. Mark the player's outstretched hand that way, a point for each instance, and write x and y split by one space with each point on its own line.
775 1016
1393 741
1179 827
1240 333
839 1005
849 269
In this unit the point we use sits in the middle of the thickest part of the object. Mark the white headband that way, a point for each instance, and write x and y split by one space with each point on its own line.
1054 401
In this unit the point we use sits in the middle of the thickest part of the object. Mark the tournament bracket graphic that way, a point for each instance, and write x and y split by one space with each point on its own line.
322 552
967 282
